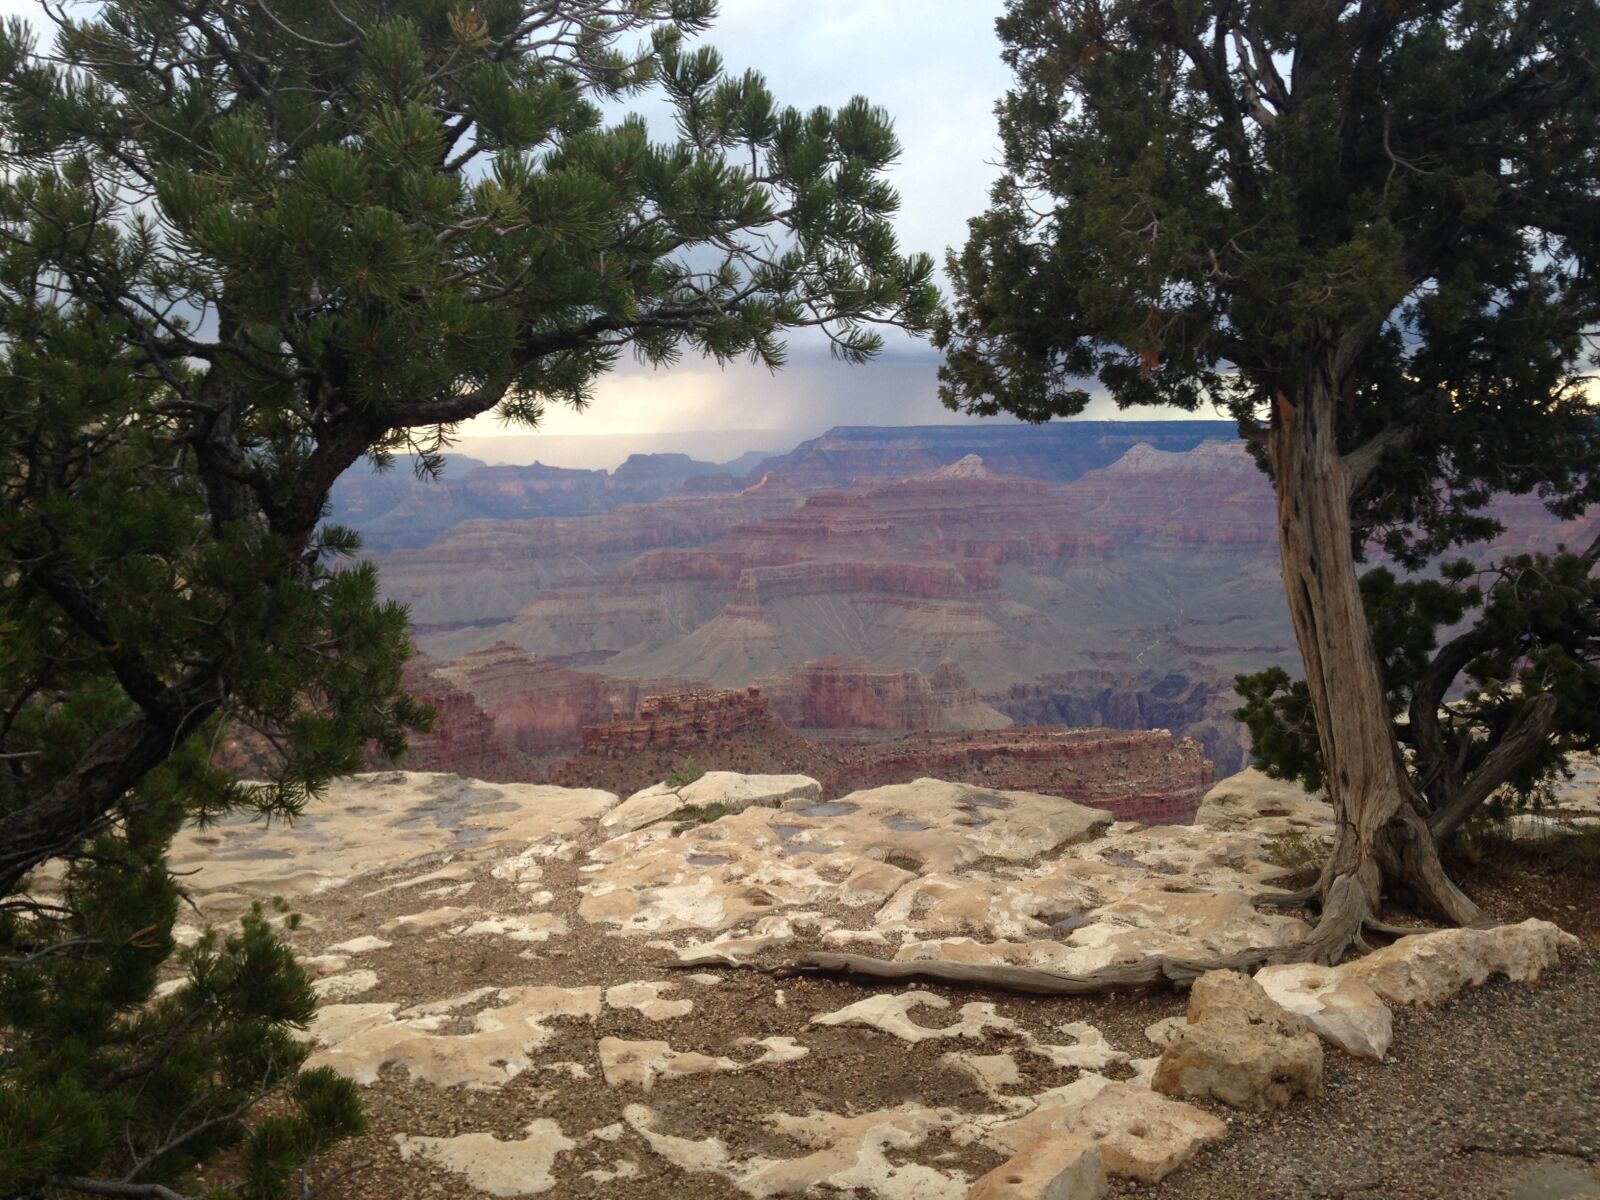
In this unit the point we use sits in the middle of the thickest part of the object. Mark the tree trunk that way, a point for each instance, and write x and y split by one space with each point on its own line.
1381 835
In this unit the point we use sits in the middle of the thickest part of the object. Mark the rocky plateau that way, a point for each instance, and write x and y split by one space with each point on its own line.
561 992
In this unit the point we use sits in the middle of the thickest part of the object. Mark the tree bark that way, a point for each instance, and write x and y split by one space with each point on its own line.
1381 834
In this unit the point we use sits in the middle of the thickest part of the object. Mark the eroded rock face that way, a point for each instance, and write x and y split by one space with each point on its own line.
1239 1047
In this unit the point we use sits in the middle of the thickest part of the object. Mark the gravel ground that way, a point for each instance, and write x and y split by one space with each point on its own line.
1495 1095
1471 1097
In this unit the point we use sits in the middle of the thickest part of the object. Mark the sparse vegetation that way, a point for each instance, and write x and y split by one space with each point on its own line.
684 774
1295 850
691 815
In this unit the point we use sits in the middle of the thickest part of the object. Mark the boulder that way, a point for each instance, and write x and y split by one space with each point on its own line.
1239 1047
1255 801
1053 1166
1338 1007
726 789
1430 968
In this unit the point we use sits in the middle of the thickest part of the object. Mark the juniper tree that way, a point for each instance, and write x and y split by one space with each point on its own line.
243 245
1368 231
1487 719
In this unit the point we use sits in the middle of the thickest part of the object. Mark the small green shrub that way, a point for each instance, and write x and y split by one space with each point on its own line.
686 774
691 815
1295 850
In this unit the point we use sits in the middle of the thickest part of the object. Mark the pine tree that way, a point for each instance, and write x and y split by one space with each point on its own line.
243 245
1367 230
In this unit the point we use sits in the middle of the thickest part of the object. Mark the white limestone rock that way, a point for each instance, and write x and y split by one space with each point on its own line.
1429 968
1141 1135
890 1014
339 987
1252 800
728 789
648 1000
510 1168
1340 1008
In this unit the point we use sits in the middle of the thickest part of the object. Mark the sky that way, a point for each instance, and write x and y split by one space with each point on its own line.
935 66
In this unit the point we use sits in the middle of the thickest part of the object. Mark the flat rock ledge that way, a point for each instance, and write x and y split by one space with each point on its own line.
498 967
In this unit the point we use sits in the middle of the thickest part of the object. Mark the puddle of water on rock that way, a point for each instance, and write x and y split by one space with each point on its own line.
904 824
1118 858
447 812
977 823
788 831
827 808
252 855
792 849
1068 924
708 860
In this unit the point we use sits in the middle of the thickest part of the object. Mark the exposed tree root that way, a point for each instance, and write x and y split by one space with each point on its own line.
1345 913
1385 927
1303 898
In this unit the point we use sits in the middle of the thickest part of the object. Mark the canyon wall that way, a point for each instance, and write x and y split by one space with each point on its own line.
840 693
1123 588
1147 776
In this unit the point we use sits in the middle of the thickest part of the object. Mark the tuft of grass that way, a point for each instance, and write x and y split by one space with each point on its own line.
687 772
1295 850
1564 850
691 815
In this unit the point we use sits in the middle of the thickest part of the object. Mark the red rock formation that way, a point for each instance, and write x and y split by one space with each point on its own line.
1145 775
485 570
1128 597
535 705
463 738
691 719
838 693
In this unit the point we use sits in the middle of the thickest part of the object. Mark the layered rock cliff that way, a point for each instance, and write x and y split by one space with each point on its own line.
840 693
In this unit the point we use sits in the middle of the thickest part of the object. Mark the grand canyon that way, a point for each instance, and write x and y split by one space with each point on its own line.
942 581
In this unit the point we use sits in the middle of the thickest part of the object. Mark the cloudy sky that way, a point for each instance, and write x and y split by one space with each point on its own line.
935 65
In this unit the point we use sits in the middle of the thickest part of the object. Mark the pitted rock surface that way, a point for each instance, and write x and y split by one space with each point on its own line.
500 972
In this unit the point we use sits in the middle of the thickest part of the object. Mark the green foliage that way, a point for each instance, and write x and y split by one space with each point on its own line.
1534 633
1239 204
1296 850
691 815
686 773
243 249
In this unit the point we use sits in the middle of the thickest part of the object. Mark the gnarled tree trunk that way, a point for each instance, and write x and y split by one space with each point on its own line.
1382 835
